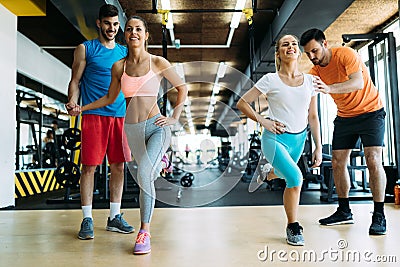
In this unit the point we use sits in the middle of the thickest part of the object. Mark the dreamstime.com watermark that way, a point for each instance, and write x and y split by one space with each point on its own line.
339 254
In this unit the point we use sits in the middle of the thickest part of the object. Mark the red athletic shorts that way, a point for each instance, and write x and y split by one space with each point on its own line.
101 135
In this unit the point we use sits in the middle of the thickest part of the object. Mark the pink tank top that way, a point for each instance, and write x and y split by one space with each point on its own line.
146 85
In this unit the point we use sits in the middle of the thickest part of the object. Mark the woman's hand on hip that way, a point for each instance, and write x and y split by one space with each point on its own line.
275 127
165 121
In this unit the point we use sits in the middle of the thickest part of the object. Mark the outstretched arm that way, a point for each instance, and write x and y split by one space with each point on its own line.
113 90
315 132
354 83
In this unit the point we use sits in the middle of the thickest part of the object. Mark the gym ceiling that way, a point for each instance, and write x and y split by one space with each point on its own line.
68 23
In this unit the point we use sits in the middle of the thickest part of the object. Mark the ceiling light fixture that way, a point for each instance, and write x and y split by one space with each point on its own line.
213 100
221 70
180 70
165 4
170 23
207 123
187 102
216 89
237 15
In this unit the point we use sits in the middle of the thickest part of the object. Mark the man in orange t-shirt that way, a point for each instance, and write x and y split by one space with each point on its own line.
341 73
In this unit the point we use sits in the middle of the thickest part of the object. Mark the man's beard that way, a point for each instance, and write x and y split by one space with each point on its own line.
316 61
105 36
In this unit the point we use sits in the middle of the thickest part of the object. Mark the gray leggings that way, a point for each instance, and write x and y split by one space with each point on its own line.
148 143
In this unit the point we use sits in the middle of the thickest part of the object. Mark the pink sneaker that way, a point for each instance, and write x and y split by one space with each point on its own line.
142 245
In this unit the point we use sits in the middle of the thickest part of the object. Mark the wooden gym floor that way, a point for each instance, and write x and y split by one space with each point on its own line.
214 236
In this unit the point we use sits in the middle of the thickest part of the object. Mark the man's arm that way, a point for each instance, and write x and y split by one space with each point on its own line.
78 66
354 83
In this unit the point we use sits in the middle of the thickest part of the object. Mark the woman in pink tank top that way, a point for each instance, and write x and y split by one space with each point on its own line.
147 131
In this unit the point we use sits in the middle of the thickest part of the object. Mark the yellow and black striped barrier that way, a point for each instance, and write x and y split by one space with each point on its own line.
33 182
29 183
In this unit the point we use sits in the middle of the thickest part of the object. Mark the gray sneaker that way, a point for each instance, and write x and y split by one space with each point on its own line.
294 233
118 224
86 231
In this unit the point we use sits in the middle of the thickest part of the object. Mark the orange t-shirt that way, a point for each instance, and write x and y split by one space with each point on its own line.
346 61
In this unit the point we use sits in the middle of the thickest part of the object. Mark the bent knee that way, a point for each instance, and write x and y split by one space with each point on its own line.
294 181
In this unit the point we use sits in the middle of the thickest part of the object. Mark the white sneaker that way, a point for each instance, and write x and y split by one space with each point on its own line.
266 169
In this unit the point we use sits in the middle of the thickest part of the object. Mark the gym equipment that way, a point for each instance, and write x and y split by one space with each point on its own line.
49 155
198 155
30 118
187 179
253 156
178 163
179 194
238 163
71 139
305 163
35 164
68 174
223 155
166 165
168 169
327 174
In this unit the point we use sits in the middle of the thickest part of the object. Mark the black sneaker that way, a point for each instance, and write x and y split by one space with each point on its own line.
378 225
339 217
118 224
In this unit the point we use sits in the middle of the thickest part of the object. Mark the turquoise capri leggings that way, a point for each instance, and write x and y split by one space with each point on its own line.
283 151
148 143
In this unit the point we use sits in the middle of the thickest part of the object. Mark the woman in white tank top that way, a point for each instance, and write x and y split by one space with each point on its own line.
292 106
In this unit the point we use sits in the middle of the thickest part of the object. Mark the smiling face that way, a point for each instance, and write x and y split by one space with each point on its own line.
108 27
136 33
288 48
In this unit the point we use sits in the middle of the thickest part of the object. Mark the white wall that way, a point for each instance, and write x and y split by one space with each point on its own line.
19 53
8 65
37 64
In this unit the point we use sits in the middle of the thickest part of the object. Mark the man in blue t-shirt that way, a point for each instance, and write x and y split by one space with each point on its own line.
102 128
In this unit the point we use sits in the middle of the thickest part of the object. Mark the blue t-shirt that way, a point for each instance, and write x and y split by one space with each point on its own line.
96 77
